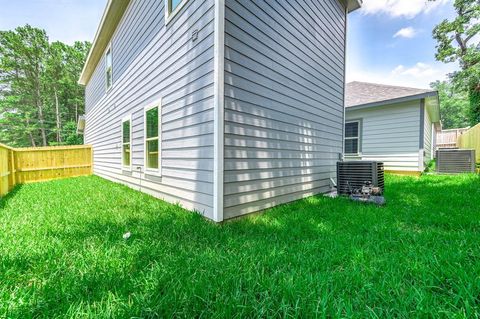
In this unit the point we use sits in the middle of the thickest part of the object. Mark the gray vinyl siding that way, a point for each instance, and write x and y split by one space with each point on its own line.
137 31
391 134
284 82
153 61
95 89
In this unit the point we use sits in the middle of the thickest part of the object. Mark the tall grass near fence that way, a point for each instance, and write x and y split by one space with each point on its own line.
471 140
27 165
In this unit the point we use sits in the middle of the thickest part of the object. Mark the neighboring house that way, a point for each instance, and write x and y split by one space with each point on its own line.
392 124
227 107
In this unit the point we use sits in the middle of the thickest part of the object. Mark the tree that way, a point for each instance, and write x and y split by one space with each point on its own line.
21 68
39 93
457 40
454 105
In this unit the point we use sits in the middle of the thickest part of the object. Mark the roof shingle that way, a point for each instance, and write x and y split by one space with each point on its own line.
363 93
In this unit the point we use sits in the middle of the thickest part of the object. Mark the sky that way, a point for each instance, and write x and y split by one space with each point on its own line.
389 41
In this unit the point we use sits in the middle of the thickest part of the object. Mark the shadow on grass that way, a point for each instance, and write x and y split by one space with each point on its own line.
5 199
177 262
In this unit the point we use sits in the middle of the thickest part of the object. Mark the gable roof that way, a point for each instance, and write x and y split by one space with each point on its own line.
360 95
371 94
111 18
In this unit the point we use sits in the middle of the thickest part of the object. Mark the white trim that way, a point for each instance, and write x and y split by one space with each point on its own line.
150 171
109 48
170 15
219 115
358 153
344 109
433 142
421 157
127 118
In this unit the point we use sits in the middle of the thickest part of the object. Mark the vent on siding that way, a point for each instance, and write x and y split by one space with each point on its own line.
455 161
356 173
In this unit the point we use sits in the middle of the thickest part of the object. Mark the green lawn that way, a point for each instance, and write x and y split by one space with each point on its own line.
62 255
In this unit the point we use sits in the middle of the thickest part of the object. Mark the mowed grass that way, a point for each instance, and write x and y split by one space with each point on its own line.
62 255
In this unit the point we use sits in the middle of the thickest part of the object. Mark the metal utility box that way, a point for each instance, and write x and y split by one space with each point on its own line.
354 174
455 161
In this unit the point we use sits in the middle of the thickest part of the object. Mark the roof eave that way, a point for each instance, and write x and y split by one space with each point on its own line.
394 101
433 108
353 5
111 18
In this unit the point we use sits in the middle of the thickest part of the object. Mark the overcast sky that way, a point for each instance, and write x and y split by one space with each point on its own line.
389 41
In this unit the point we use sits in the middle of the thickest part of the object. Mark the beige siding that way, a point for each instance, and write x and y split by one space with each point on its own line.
391 134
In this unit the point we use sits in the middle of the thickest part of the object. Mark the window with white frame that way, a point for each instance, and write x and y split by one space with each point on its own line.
152 138
352 137
127 142
172 7
109 68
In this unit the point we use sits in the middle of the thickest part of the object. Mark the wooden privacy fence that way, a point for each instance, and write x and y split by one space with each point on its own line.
28 165
471 140
449 138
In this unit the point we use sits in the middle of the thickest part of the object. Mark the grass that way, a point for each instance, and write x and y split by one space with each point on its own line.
62 255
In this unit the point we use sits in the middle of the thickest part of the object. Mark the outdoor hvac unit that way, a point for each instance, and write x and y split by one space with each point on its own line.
354 174
455 161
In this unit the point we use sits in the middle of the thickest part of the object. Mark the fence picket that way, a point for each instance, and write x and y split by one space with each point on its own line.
28 165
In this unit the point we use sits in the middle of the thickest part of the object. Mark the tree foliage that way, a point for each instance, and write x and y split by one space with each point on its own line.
40 99
458 41
454 105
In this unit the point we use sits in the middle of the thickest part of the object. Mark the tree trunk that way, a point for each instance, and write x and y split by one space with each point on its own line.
32 140
41 118
57 113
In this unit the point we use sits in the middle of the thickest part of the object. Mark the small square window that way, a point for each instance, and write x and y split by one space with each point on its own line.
172 7
174 4
352 137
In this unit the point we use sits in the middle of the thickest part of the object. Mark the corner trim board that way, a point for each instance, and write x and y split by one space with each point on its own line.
421 143
219 111
344 110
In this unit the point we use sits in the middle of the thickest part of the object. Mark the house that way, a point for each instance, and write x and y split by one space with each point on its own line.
227 107
392 124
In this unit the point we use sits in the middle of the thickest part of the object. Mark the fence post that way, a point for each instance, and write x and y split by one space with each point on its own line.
13 170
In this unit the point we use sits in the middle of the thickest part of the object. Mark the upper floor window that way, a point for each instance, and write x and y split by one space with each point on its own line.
172 7
109 68
352 137
174 4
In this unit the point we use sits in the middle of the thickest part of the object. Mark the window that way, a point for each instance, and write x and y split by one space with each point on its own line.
172 7
152 138
352 137
174 4
108 68
126 143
